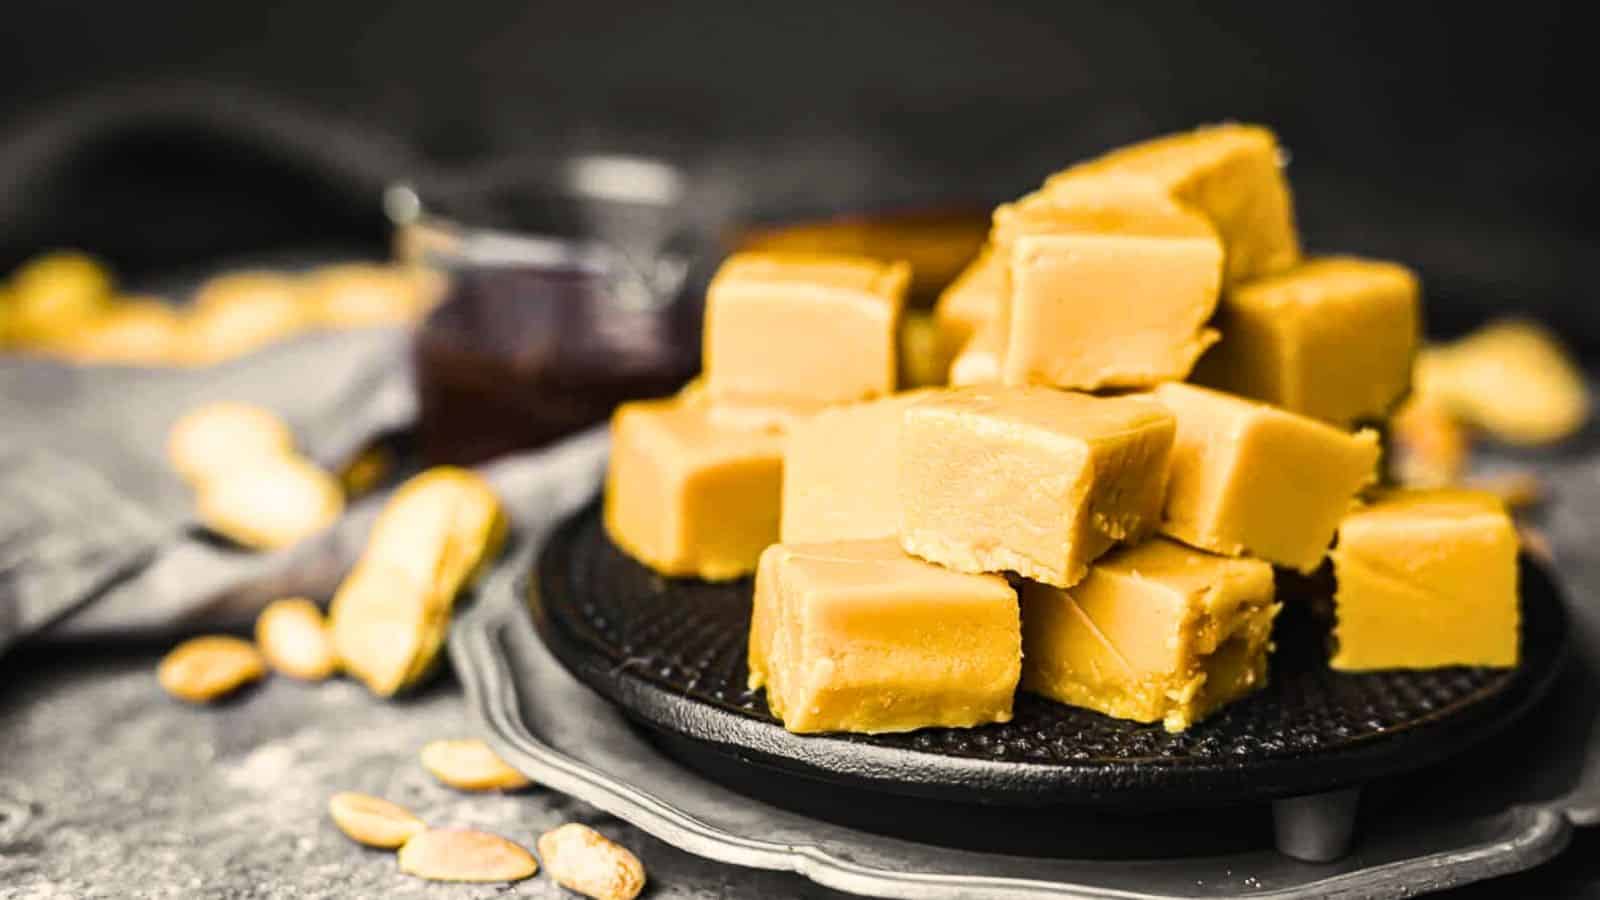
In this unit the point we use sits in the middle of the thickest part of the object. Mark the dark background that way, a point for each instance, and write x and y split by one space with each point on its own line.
168 133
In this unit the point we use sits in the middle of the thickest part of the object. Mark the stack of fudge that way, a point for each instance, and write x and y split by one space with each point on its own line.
1153 400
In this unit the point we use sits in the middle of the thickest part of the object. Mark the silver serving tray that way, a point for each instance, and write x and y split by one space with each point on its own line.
1499 809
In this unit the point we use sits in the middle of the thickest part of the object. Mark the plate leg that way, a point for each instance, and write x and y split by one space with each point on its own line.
1316 827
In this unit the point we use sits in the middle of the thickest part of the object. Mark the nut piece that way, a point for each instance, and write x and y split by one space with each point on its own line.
1519 489
54 295
237 313
433 537
359 295
1430 446
584 860
373 821
268 503
449 855
132 331
1513 379
203 669
293 636
387 627
217 437
470 765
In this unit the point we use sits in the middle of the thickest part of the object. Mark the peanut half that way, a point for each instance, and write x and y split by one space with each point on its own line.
373 821
268 503
450 855
203 669
584 860
1511 378
293 635
470 765
214 438
432 539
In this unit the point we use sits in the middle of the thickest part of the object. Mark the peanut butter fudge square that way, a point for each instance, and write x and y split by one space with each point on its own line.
1028 479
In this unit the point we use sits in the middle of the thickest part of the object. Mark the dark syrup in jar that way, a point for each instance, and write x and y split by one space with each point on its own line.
519 355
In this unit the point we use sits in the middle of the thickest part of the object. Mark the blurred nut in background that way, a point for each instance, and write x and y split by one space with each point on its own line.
244 311
293 636
1428 447
55 294
217 437
269 502
133 331
358 295
203 669
391 613
1513 379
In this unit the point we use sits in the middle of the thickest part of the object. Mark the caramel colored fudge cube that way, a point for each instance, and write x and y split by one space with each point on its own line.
1108 287
1252 478
1233 174
688 496
1156 633
802 331
858 636
1426 578
841 472
970 301
1333 339
979 361
1028 479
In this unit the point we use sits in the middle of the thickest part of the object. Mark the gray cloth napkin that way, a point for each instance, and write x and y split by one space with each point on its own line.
97 537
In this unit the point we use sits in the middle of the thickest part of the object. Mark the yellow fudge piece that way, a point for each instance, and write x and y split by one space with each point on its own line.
1233 174
1156 633
1426 578
802 331
979 361
858 636
971 300
1110 286
686 495
1511 378
1333 339
1252 478
1028 479
841 472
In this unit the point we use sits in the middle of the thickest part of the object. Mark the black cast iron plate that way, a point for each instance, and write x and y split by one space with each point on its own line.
671 653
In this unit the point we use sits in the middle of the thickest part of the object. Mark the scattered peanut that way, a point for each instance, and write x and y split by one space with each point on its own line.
470 765
1511 378
203 669
265 503
293 635
217 437
583 860
449 855
373 821
390 615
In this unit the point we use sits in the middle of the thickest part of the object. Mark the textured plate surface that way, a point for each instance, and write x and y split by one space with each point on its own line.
672 654
1432 830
